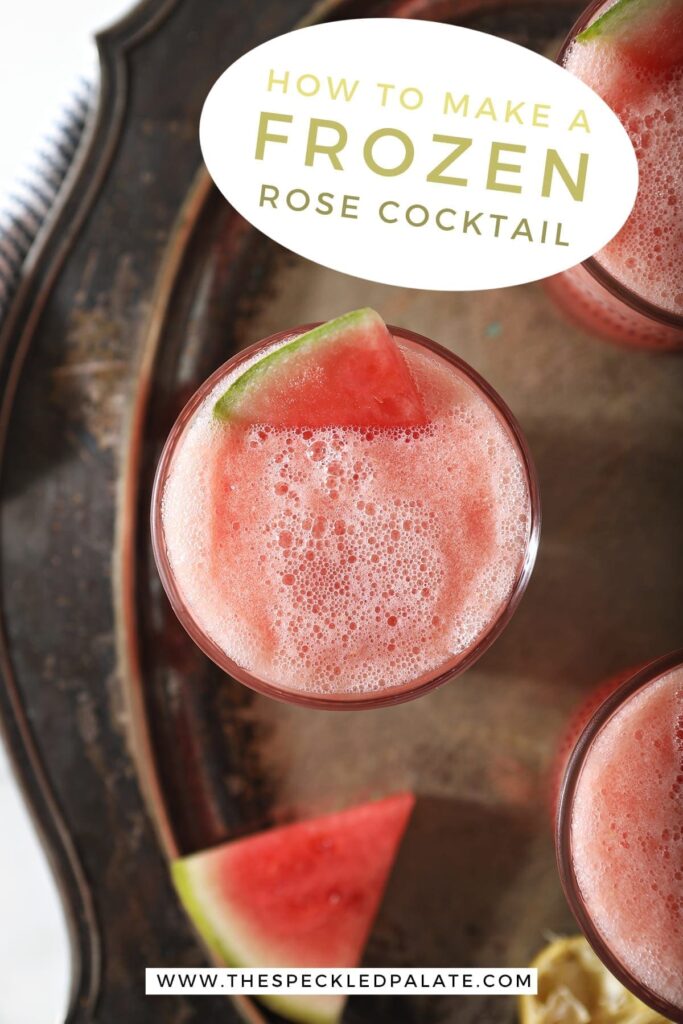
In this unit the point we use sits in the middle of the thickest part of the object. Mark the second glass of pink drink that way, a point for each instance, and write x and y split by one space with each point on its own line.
631 53
348 524
620 834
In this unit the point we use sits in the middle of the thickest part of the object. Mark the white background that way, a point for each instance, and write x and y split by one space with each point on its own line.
45 48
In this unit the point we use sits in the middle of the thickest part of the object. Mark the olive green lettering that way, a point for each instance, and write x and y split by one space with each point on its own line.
577 187
461 146
495 166
265 136
331 149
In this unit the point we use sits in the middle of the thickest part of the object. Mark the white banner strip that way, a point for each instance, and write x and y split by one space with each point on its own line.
263 981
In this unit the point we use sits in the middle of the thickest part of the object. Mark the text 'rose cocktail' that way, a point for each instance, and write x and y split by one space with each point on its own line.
345 516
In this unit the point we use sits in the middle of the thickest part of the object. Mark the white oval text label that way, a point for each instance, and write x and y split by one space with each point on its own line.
418 154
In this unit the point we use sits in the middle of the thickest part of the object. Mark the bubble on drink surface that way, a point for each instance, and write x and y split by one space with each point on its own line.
364 558
627 835
647 254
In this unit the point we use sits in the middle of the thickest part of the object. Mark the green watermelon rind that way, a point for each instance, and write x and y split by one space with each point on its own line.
295 1008
609 23
239 390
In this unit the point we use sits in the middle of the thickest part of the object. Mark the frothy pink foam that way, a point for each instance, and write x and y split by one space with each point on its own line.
627 835
647 254
346 559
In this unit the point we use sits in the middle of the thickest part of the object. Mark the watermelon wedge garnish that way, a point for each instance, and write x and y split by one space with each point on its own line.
303 895
347 372
648 32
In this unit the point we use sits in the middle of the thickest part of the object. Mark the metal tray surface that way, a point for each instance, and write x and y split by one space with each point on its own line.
133 748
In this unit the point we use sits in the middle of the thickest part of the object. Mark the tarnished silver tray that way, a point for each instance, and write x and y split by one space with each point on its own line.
132 747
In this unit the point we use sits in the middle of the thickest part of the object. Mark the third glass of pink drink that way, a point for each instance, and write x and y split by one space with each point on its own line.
620 834
356 538
631 53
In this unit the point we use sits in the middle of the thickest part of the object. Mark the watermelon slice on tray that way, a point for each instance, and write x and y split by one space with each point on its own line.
346 372
302 895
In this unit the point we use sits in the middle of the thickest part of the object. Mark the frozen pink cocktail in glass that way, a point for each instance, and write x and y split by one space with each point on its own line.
620 834
631 53
335 564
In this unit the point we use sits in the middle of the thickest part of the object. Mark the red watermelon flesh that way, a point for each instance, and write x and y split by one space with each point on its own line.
347 372
647 32
303 895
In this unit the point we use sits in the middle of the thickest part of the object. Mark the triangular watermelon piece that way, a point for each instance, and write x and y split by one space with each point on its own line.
348 372
304 895
648 32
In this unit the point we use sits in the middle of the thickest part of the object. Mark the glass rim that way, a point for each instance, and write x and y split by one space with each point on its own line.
610 283
346 701
645 676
